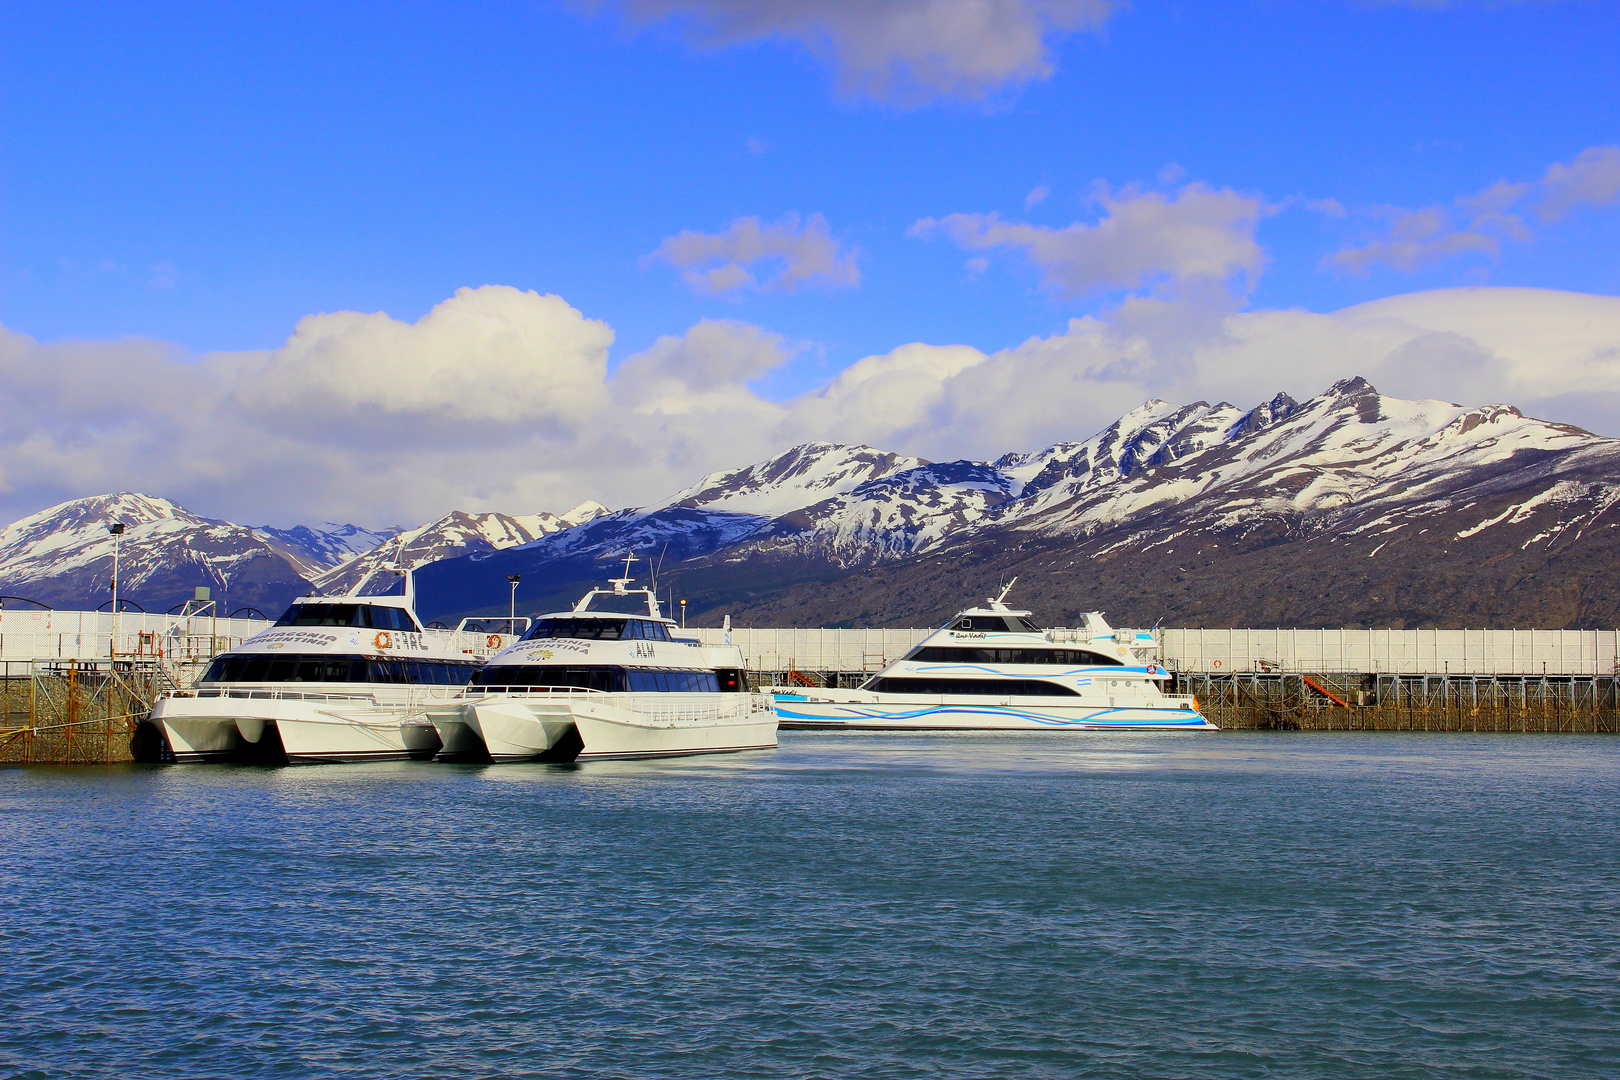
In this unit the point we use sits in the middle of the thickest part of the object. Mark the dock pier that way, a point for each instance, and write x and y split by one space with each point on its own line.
57 706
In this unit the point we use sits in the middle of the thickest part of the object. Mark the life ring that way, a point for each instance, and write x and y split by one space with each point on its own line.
382 640
1215 663
494 641
1153 669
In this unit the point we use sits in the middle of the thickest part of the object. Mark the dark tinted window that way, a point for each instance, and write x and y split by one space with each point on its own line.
607 679
587 629
646 630
969 654
970 687
334 669
604 678
732 680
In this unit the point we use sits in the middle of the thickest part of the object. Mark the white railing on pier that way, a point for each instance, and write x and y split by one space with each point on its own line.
1396 652
35 634
817 650
1406 652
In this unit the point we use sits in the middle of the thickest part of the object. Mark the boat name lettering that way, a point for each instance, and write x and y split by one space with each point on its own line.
974 634
296 637
644 650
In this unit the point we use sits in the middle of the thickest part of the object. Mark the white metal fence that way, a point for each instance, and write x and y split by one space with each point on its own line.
1410 652
33 634
90 635
1405 652
818 650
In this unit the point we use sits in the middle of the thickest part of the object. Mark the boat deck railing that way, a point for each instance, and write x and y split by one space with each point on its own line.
659 706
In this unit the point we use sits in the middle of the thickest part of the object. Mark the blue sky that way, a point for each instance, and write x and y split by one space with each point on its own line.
205 177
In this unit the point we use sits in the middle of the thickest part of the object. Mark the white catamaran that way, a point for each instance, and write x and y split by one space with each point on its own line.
611 678
337 678
990 668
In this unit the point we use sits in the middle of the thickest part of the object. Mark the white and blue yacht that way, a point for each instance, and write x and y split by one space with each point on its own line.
991 668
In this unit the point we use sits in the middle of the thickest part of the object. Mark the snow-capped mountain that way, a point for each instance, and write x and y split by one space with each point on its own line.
453 536
322 547
1350 508
63 557
1347 509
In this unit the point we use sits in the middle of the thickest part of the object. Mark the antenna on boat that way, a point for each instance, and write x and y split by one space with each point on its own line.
656 570
619 583
995 602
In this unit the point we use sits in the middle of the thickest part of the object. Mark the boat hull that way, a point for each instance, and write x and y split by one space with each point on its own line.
590 726
857 710
264 727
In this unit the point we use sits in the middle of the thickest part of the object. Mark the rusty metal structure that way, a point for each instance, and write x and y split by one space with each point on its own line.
77 712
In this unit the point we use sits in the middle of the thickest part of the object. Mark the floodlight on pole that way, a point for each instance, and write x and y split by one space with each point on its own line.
683 614
117 530
514 579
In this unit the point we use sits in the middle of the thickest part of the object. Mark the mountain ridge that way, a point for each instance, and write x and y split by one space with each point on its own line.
1349 508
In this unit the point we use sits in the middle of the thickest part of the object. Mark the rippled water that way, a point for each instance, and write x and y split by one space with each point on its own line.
1345 905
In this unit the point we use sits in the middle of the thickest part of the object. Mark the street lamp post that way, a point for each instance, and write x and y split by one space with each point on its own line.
514 579
117 530
683 614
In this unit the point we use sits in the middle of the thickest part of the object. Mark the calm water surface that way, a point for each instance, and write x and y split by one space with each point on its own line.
1335 905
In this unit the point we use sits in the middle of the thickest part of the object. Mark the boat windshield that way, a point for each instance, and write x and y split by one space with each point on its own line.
599 629
368 616
959 654
995 623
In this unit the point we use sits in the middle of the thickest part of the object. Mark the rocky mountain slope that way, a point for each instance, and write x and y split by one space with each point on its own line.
63 556
453 536
1348 509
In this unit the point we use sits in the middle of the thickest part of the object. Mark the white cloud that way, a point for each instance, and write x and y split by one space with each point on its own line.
1477 224
895 50
801 254
1197 236
224 434
494 355
1037 196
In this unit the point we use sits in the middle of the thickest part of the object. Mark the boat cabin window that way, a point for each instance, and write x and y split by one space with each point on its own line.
336 669
995 623
969 687
958 654
606 678
366 616
598 629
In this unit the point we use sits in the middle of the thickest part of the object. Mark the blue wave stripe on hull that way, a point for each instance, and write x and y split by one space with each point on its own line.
1172 719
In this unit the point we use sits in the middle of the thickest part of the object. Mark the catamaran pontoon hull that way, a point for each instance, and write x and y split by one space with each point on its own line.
261 726
585 726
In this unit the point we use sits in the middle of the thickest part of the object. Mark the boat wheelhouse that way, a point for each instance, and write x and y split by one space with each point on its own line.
337 678
610 678
992 668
